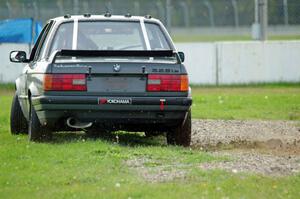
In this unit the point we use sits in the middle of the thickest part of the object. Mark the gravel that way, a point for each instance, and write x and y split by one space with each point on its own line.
223 132
268 148
253 162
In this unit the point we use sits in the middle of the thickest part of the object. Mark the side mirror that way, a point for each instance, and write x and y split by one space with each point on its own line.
18 56
181 56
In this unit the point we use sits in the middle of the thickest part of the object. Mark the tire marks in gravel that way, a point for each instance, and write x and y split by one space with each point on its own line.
262 147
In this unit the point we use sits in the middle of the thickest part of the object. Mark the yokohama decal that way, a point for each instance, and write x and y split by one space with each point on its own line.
114 101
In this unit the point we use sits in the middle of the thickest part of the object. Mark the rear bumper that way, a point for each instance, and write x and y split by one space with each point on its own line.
93 100
52 110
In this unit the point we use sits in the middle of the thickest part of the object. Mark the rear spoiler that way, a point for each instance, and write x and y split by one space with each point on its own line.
113 53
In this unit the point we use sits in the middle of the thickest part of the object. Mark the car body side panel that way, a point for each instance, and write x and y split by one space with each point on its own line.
22 95
30 83
22 91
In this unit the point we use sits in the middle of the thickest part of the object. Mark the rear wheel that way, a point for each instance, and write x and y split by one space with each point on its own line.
36 131
181 135
18 123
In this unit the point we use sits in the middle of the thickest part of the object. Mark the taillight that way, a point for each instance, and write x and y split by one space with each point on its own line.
167 83
65 82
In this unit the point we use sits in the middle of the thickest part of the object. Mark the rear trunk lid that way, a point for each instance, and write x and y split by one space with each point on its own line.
116 75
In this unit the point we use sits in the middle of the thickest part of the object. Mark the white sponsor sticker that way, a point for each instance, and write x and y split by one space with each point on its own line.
118 101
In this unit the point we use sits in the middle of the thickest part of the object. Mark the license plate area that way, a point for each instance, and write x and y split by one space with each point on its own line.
117 84
114 100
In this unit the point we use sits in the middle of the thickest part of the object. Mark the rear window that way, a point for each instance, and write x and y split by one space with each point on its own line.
109 35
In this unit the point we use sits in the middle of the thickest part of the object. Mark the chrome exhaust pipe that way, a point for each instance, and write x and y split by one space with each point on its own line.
73 123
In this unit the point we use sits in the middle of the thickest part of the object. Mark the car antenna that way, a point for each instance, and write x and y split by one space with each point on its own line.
107 12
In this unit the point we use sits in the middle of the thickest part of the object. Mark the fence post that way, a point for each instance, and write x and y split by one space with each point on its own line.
286 12
185 13
23 6
9 9
263 19
109 7
236 13
36 11
160 8
60 8
168 15
76 7
210 12
136 5
86 7
260 25
256 17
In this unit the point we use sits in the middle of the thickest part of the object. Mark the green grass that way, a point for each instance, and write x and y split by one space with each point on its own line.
212 38
267 102
72 166
6 89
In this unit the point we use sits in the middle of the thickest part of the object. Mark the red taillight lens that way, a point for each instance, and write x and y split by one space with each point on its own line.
167 83
65 82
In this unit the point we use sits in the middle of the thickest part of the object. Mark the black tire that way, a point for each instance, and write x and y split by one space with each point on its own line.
181 135
36 132
18 123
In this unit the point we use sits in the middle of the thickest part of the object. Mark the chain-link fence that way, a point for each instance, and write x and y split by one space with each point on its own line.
193 17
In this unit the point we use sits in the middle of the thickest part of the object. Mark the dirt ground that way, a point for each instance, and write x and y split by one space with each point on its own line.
263 147
267 148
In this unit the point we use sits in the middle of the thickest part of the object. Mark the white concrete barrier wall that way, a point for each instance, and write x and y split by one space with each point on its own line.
200 61
242 62
254 62
213 63
10 71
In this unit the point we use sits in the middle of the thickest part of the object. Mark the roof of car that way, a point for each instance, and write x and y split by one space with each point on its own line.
106 16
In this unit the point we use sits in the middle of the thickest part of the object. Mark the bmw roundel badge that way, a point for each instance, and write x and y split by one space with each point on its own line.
117 67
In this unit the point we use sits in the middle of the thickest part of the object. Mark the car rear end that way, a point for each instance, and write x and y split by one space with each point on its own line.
139 93
137 87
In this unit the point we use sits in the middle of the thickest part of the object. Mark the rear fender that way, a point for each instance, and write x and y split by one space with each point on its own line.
17 87
22 97
190 92
34 89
